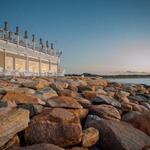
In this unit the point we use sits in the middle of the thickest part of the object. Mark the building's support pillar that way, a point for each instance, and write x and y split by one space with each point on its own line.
49 65
40 71
27 64
14 64
4 60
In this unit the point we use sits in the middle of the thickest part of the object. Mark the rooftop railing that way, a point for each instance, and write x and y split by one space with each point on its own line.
14 38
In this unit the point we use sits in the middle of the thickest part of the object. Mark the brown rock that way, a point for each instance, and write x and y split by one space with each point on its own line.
6 85
90 137
140 108
12 142
119 135
25 90
11 122
61 115
146 147
139 120
122 96
42 146
56 126
67 92
81 113
63 101
89 94
77 148
18 97
105 111
100 92
126 107
84 102
36 83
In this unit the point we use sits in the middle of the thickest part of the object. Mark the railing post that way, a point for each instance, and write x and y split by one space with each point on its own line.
33 42
26 38
17 35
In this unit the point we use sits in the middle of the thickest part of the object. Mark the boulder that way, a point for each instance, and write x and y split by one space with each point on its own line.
89 94
36 83
110 89
46 93
119 135
106 100
140 108
2 91
139 120
138 98
90 137
126 107
12 121
33 108
100 92
81 113
147 147
105 111
26 90
122 96
67 92
77 148
3 104
97 82
56 126
84 102
12 142
63 101
147 105
41 146
21 98
72 86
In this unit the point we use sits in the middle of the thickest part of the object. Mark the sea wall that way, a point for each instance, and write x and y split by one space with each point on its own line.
73 113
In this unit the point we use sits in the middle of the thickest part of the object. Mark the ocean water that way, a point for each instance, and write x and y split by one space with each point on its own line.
132 80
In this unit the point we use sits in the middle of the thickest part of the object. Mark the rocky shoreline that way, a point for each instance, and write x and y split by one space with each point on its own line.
73 113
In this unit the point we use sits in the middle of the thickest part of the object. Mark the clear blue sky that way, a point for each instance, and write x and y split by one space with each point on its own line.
97 36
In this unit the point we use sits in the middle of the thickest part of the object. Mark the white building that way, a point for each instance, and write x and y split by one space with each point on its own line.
20 56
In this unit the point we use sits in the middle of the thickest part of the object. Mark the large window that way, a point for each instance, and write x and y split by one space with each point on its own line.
34 66
20 64
44 67
54 68
9 63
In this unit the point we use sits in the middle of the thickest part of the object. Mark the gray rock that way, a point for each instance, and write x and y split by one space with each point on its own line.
3 104
106 100
2 91
46 93
33 109
105 111
138 98
42 146
115 135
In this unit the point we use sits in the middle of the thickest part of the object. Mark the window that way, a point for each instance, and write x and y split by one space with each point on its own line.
34 66
54 68
44 67
9 63
20 65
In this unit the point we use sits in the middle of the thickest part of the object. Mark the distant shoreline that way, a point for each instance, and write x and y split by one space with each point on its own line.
110 76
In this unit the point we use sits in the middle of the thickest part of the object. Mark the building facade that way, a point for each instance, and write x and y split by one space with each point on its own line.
20 56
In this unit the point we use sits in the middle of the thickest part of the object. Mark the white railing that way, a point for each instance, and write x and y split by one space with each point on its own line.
14 48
